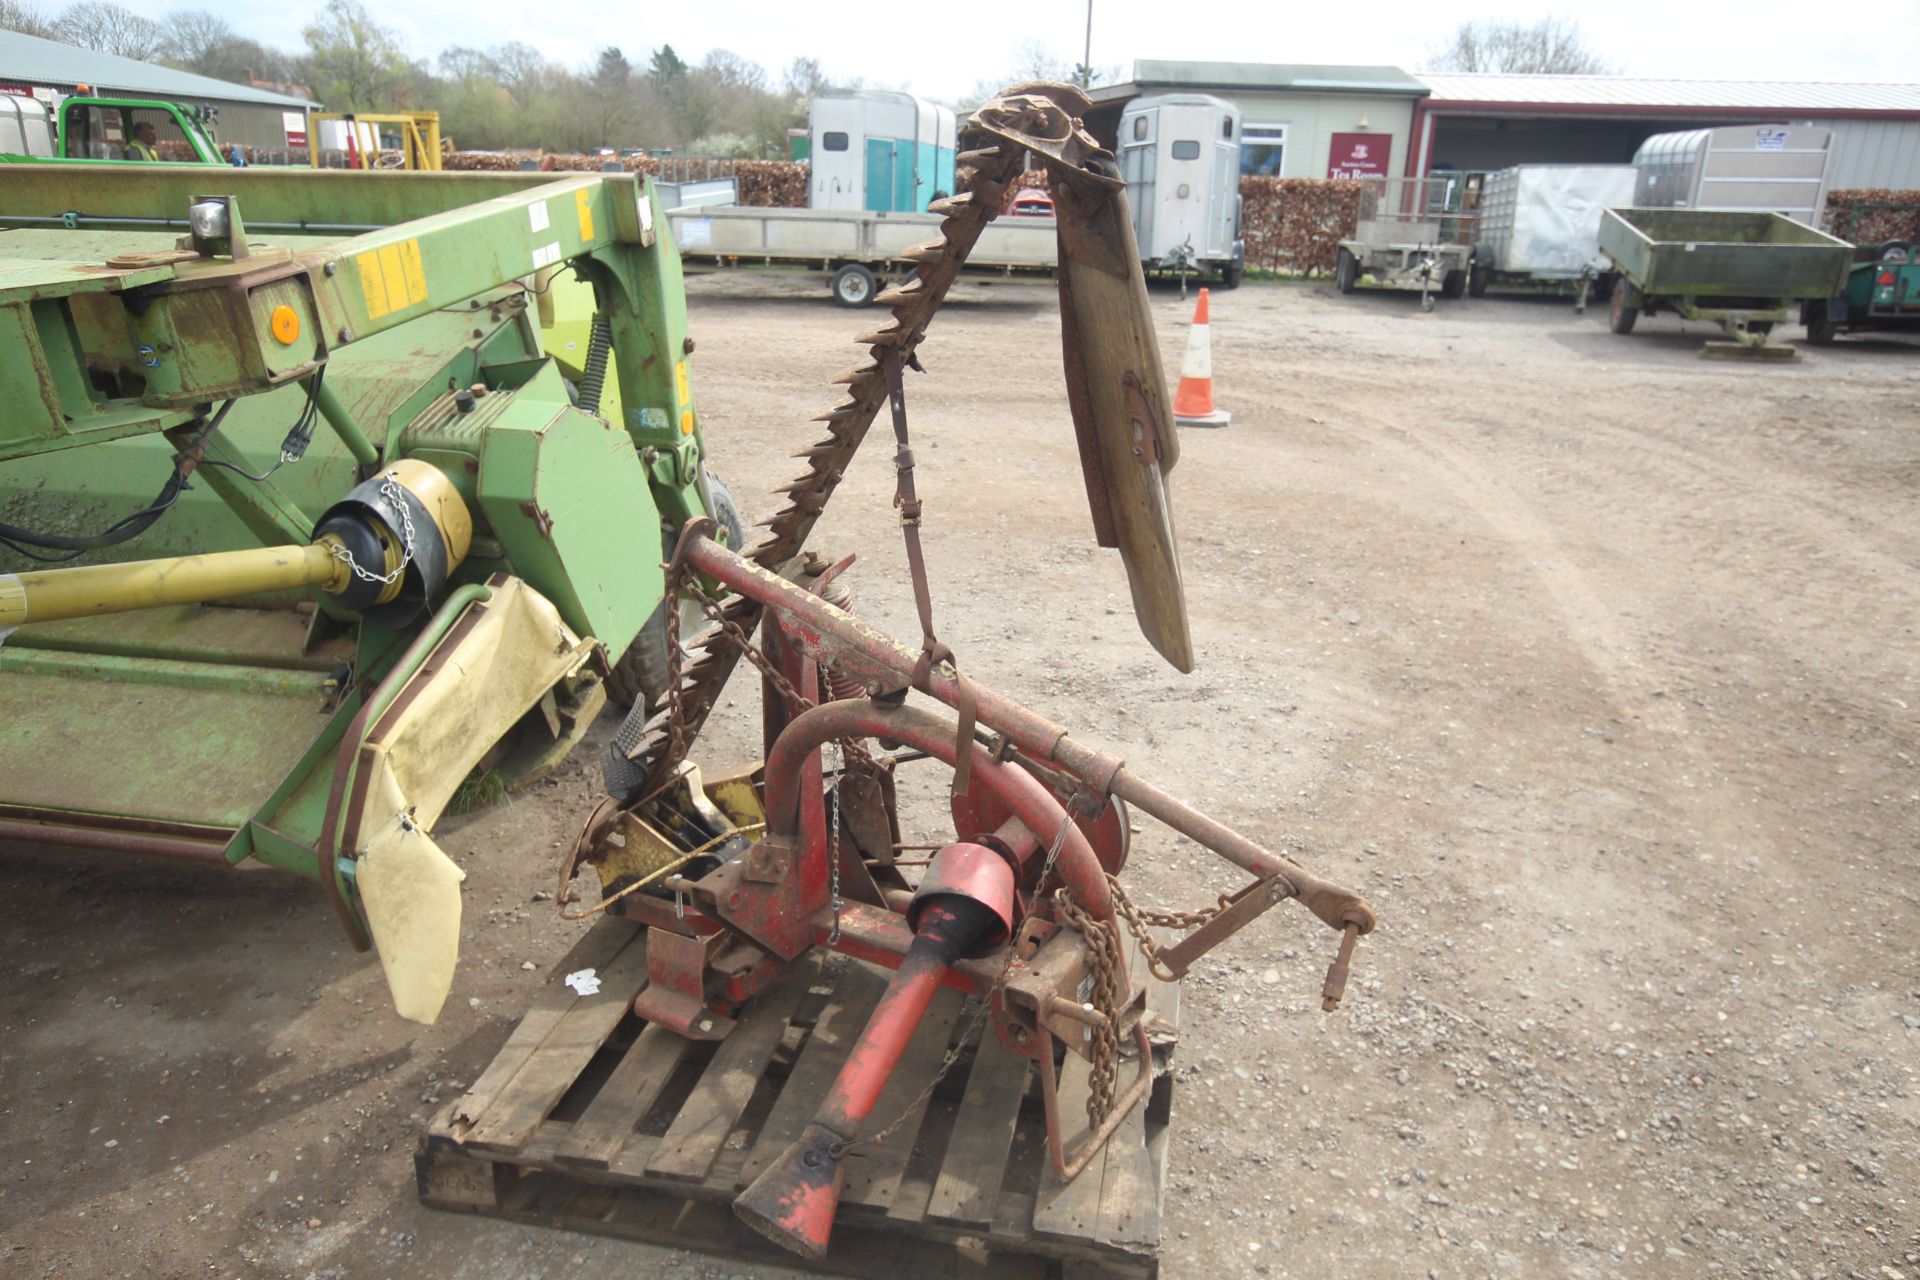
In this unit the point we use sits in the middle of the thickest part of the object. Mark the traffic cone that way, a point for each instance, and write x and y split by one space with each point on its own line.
1193 401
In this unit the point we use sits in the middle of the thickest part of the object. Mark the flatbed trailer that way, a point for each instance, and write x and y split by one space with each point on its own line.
1743 270
854 249
1411 234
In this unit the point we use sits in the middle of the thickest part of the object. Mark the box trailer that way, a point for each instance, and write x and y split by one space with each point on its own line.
1180 156
1541 223
878 151
1740 168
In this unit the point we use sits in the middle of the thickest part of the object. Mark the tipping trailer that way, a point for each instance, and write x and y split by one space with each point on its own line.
1743 270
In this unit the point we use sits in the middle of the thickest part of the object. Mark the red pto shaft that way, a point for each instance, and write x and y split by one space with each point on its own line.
963 908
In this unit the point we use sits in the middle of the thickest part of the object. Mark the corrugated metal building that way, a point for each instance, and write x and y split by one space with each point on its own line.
1309 121
1494 121
1296 121
44 68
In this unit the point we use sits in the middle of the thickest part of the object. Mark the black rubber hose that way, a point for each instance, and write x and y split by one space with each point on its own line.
123 530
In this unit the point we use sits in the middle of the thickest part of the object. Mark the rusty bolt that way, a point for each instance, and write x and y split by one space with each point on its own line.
330 268
345 334
687 346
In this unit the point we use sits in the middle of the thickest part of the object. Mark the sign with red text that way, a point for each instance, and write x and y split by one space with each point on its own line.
1359 155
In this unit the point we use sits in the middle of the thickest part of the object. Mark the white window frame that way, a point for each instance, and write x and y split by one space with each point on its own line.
1253 134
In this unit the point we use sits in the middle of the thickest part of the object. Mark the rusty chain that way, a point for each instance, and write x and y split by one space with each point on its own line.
1105 963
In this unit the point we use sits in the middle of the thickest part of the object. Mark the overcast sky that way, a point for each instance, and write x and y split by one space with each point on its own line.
943 47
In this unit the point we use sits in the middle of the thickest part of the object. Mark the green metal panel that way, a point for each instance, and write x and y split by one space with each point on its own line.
567 496
170 741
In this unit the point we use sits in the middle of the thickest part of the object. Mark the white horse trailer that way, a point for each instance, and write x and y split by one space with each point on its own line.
1180 156
878 151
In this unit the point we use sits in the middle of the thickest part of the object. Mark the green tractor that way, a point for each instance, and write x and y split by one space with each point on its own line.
87 129
305 532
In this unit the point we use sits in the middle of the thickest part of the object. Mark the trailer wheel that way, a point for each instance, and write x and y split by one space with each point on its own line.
1478 278
1454 284
1232 274
1821 330
641 674
1346 272
1622 312
854 285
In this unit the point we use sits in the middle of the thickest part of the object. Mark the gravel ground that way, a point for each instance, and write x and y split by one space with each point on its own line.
1590 662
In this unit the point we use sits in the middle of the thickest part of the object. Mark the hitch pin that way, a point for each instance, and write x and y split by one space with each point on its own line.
1337 971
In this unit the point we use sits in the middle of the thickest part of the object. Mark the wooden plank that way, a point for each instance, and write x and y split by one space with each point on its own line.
692 1142
1130 1193
1072 1209
873 1173
595 949
608 1122
562 1056
821 1058
976 1161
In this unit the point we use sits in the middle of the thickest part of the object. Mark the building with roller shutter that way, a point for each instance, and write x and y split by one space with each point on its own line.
1302 121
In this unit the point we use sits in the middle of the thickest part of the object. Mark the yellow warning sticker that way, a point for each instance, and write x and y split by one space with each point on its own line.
392 279
584 202
680 378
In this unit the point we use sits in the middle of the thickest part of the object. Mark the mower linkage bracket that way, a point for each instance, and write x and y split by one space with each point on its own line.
1239 911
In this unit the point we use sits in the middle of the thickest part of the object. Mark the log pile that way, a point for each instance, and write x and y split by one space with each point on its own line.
1874 215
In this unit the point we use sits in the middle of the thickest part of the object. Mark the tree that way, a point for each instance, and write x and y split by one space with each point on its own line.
109 28
1551 46
803 80
355 63
667 66
610 91
15 15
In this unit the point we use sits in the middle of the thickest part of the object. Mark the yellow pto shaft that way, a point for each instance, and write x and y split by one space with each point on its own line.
49 595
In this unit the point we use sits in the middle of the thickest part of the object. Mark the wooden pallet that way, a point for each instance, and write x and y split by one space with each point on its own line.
590 1120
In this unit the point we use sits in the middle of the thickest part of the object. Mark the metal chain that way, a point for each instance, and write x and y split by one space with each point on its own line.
974 1023
676 709
391 492
1139 918
833 843
1105 963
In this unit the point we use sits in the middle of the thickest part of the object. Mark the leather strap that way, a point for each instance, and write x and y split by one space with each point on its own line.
931 649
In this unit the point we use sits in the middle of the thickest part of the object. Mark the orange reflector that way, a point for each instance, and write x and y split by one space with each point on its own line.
686 422
286 325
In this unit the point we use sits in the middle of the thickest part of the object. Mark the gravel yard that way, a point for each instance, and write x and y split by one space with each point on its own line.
1591 663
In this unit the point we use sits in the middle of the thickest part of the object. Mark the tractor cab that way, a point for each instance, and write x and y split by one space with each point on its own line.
109 129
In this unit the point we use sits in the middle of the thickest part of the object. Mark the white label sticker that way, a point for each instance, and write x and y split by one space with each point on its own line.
537 215
546 255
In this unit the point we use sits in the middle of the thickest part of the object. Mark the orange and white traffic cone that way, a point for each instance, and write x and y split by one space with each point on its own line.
1193 401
